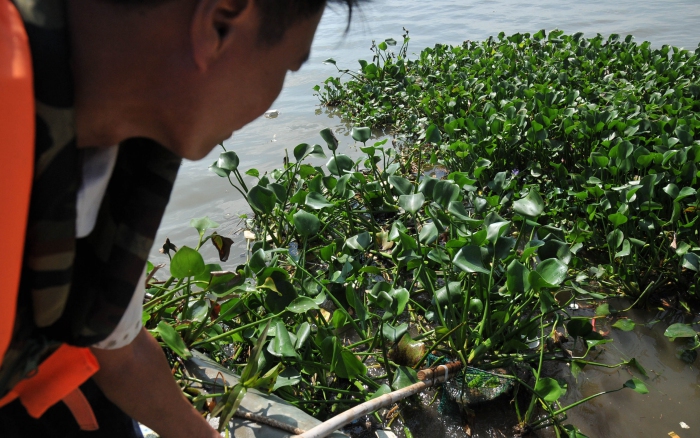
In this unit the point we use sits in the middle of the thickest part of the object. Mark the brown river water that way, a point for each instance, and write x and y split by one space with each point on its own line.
674 396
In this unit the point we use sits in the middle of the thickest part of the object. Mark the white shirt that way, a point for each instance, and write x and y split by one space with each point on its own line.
98 164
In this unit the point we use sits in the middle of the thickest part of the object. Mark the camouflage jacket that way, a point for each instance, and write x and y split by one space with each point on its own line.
72 290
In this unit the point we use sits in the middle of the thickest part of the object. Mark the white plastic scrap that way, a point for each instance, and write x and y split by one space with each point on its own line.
147 432
684 426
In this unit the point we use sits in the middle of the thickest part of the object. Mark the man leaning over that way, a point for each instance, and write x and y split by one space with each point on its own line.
99 101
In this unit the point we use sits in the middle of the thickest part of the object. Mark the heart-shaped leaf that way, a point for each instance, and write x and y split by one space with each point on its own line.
340 165
317 201
262 199
186 263
306 223
304 150
173 340
401 185
361 134
228 161
329 137
411 203
549 389
531 205
637 385
393 334
468 259
626 325
679 330
302 305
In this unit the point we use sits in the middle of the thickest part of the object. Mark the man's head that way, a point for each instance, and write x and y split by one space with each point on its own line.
186 73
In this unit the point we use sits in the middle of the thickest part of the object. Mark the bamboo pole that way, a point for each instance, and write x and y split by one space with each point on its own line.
434 376
431 373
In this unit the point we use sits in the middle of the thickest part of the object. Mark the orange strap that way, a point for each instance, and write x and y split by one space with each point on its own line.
81 410
16 158
57 377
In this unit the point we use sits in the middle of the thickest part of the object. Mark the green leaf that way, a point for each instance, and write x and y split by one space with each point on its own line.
458 211
615 238
679 330
531 205
685 192
572 431
317 201
361 134
626 325
228 161
186 263
549 389
637 385
341 360
495 230
306 223
428 234
198 311
262 199
302 305
403 377
303 333
617 219
634 363
384 389
217 170
603 310
393 334
304 150
411 203
250 371
349 366
401 297
340 165
359 242
517 278
433 135
401 185
468 259
281 345
202 224
173 340
257 261
553 271
691 261
576 368
626 249
444 192
329 137
288 377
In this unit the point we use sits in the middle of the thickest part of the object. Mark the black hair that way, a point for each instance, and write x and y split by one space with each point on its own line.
277 16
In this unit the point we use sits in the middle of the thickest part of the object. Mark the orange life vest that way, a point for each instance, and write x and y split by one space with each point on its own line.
59 376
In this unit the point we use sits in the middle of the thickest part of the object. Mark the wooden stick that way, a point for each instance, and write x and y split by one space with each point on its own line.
431 373
324 429
269 422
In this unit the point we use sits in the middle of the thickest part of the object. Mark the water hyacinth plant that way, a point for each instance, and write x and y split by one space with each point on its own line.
570 167
605 130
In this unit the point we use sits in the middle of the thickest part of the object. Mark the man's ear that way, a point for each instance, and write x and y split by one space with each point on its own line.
218 23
